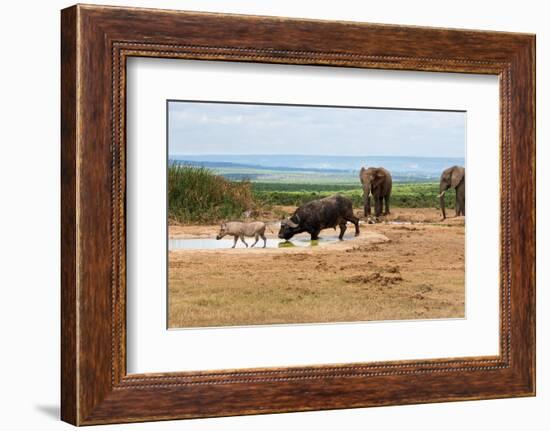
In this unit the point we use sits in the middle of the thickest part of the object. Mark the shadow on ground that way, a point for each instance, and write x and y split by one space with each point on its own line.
51 411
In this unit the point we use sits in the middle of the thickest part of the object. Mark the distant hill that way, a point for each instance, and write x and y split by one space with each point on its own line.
318 168
214 165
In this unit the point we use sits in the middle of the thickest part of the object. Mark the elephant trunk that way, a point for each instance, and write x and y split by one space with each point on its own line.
442 203
366 198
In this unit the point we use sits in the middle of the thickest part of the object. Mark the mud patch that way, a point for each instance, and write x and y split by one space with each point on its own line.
425 288
296 257
363 248
392 269
376 279
407 228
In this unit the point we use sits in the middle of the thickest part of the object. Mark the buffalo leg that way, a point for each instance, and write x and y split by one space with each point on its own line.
315 235
242 239
352 219
355 222
343 228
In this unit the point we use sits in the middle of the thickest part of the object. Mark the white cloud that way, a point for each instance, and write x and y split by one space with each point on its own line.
222 128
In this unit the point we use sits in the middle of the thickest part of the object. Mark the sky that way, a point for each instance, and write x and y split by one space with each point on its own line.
197 128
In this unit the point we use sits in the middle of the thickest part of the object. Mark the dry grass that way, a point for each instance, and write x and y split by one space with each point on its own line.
418 274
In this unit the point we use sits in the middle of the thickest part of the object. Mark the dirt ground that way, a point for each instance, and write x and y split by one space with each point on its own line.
410 265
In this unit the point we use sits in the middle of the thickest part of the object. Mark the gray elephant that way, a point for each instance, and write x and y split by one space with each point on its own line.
378 183
454 177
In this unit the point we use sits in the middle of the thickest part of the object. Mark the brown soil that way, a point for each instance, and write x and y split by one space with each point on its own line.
392 271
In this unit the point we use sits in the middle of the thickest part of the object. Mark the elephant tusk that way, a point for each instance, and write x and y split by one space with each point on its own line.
440 194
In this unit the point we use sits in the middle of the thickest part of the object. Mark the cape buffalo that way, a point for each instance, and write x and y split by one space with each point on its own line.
320 214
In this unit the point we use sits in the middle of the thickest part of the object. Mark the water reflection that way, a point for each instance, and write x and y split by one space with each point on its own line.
212 243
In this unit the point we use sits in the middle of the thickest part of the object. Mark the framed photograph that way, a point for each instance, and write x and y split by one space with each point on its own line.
263 214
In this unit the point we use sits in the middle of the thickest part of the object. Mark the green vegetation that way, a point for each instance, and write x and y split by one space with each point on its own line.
404 195
197 195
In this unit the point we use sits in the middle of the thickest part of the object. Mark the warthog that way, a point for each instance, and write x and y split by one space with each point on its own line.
320 214
239 229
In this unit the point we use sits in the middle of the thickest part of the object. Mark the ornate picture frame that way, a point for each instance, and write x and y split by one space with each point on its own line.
96 41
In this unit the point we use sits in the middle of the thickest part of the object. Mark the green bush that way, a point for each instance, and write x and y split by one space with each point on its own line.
195 194
404 195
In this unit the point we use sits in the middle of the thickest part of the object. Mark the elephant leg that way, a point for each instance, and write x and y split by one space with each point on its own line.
343 228
460 197
387 201
378 206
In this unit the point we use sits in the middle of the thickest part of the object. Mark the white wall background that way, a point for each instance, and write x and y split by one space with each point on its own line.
29 215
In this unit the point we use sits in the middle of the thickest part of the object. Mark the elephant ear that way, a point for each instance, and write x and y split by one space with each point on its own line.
456 177
379 177
361 174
